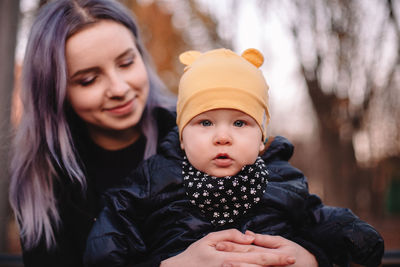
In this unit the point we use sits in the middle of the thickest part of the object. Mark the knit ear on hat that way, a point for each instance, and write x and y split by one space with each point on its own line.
253 56
189 57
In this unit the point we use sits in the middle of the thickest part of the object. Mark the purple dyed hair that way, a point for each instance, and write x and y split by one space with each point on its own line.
43 144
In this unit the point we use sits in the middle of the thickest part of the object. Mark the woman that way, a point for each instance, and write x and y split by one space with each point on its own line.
93 109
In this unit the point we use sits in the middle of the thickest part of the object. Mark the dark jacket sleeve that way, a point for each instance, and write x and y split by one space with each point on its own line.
327 232
115 238
154 261
343 235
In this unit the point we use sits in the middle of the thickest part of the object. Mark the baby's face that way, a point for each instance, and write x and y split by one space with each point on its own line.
221 141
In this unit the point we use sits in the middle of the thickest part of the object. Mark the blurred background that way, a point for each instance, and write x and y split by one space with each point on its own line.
333 67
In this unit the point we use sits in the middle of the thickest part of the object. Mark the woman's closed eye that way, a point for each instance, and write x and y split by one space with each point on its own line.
126 63
239 123
87 81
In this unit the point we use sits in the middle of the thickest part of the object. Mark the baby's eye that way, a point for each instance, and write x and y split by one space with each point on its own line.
206 123
239 123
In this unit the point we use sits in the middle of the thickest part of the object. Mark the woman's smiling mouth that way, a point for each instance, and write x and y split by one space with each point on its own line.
122 109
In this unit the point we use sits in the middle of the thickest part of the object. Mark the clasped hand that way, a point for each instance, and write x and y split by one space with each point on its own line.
231 248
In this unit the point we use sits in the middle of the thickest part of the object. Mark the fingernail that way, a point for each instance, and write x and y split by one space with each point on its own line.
248 232
249 238
291 260
220 247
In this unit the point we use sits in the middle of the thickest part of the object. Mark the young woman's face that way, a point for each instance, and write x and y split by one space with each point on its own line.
221 141
108 83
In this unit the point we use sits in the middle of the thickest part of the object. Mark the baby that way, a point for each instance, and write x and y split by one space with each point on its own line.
219 171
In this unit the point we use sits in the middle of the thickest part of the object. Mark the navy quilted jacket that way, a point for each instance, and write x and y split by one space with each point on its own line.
151 219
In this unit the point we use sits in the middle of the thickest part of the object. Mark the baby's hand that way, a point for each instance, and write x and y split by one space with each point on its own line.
272 248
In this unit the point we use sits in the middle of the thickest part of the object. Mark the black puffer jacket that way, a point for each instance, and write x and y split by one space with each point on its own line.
79 209
151 218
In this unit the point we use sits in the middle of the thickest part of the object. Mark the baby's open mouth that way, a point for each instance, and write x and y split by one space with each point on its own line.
222 156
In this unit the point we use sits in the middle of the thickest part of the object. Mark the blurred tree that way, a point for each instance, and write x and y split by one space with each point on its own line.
348 55
170 27
9 13
160 37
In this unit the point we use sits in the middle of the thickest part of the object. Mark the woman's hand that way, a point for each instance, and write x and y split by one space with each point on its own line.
203 253
268 245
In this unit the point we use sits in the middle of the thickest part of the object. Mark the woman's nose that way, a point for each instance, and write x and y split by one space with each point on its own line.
118 86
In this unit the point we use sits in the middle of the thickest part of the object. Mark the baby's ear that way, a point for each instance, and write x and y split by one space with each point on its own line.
253 56
261 148
189 57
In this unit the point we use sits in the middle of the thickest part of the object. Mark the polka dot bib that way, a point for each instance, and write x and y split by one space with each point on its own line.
222 199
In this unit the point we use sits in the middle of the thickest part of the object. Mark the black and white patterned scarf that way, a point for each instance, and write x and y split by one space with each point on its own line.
222 199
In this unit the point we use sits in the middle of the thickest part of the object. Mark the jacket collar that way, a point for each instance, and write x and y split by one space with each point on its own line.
278 148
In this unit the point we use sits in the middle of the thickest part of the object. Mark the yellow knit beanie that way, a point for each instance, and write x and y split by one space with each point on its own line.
222 79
